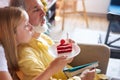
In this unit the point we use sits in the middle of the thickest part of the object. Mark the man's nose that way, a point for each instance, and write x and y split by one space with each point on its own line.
43 12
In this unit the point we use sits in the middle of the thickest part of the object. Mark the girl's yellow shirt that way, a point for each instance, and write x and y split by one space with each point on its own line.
33 58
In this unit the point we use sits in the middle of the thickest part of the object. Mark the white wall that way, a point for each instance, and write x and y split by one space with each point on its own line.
95 6
4 3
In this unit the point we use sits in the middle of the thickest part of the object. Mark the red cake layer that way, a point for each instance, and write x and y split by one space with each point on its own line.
64 48
64 51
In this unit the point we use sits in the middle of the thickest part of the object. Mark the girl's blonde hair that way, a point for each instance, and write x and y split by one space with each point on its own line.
10 18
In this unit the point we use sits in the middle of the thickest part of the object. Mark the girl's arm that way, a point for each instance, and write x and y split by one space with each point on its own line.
4 75
55 66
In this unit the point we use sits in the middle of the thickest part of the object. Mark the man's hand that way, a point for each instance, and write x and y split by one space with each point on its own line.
88 74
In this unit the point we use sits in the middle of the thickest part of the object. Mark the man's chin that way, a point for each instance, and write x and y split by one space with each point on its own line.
42 23
40 29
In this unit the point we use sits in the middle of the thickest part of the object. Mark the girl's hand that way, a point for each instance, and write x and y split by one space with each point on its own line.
59 63
71 41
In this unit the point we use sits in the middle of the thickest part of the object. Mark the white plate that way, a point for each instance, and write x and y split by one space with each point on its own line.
75 51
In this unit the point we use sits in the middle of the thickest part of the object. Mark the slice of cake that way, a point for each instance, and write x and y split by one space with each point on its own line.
64 47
